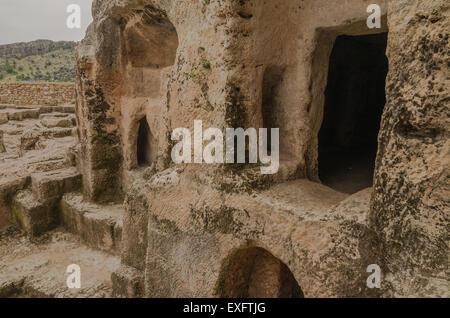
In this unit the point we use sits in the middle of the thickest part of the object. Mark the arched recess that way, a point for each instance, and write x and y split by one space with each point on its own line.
145 144
149 43
255 273
271 105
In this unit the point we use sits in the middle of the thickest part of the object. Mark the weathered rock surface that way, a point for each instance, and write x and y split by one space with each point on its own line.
8 188
29 140
411 204
51 185
326 249
34 217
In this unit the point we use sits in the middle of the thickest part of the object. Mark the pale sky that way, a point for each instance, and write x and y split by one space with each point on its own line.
28 20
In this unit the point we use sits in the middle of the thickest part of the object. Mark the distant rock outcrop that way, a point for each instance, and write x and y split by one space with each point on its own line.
41 60
38 47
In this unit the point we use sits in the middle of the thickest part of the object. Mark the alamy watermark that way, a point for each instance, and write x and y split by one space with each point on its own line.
74 279
236 150
374 19
74 19
374 279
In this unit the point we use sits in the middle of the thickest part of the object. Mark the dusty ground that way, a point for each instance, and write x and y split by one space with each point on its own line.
37 268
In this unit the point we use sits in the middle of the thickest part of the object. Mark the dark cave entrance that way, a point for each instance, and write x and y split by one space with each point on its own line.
354 102
143 143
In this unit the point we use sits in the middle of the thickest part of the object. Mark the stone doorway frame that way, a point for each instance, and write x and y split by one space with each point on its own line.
325 40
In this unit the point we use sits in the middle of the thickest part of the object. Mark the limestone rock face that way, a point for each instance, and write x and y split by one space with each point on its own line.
147 67
411 208
289 241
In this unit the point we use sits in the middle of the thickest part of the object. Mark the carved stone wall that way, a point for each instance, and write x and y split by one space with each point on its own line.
189 228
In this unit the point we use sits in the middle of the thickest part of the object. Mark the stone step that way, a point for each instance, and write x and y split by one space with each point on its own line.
69 109
59 132
21 113
98 226
52 120
34 217
39 268
51 185
17 110
9 186
128 282
38 210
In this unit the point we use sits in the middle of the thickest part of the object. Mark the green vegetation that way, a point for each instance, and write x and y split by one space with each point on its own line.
55 66
206 64
198 69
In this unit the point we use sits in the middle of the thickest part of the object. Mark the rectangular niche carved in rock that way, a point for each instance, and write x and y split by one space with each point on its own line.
354 102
